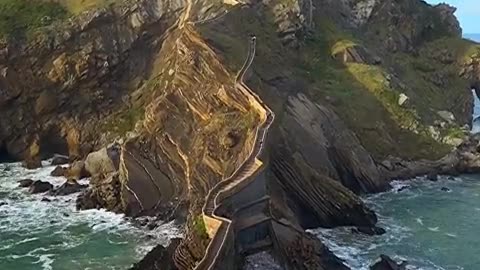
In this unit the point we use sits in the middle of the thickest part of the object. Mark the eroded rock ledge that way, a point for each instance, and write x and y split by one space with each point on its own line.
154 110
465 159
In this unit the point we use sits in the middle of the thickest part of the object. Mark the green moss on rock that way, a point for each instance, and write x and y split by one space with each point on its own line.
21 17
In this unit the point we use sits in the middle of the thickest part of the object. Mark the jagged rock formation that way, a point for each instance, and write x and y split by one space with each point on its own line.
59 89
159 258
157 79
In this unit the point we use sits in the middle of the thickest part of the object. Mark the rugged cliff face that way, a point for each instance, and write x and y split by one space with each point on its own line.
62 89
350 82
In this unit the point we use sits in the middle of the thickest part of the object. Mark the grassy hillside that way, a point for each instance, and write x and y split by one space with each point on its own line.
78 6
364 95
20 17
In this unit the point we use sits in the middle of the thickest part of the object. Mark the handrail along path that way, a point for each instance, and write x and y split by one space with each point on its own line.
219 192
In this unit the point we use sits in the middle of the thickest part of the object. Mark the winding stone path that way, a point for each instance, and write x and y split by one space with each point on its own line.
245 172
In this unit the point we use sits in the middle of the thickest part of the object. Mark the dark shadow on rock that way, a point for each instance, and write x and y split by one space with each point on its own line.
160 258
25 183
58 171
40 187
59 160
387 263
369 230
69 187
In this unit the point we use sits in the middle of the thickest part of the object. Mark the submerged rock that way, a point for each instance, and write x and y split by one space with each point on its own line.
432 177
25 183
369 230
40 187
387 263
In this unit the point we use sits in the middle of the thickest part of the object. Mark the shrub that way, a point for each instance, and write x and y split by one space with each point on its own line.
19 17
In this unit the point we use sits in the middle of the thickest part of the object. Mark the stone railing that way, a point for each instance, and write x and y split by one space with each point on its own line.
219 227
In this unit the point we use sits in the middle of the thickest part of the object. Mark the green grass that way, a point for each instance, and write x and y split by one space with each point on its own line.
199 227
455 132
18 18
362 103
374 80
437 60
124 121
78 6
363 98
342 45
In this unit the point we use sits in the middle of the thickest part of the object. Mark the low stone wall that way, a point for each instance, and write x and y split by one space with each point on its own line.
211 225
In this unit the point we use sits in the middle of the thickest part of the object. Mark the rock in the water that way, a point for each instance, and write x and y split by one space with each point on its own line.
40 187
445 189
99 162
387 263
25 183
87 200
77 171
60 160
45 199
3 203
432 177
69 187
58 171
32 159
32 163
369 230
160 258
152 225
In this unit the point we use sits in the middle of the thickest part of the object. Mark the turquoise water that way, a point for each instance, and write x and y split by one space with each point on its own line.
53 235
428 227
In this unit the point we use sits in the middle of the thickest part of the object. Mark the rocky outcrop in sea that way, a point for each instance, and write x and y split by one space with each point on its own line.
160 101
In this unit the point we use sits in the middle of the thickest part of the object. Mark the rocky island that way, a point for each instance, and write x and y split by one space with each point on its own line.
245 122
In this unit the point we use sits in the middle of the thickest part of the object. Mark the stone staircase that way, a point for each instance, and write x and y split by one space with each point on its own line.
237 181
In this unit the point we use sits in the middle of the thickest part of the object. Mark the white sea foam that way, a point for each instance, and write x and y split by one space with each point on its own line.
25 214
419 221
46 261
451 235
403 215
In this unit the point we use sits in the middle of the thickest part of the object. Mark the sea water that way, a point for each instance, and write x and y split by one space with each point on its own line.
429 227
53 235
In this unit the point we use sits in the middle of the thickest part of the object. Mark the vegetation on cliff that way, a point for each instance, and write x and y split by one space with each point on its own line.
20 17
336 65
349 86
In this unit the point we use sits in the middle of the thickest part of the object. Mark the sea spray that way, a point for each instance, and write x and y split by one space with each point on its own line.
54 235
428 227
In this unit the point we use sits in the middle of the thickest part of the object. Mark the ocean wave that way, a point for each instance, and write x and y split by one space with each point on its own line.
52 229
417 217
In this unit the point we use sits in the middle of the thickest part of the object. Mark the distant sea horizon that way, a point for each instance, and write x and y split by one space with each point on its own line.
473 36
